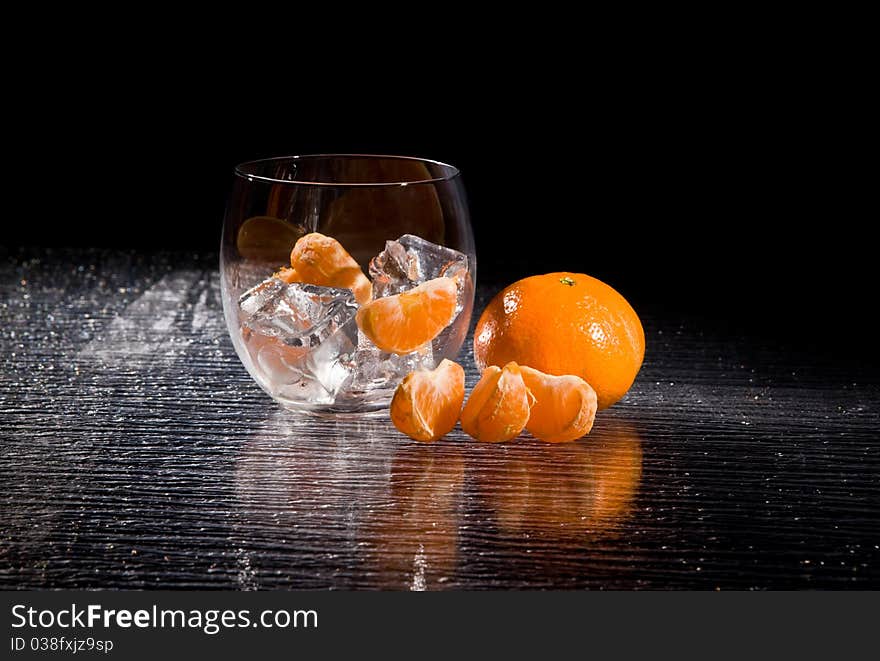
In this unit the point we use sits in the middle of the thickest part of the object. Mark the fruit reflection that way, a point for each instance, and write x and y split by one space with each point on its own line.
346 492
415 537
267 239
363 219
568 491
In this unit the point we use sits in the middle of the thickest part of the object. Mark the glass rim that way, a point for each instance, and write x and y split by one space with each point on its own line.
240 171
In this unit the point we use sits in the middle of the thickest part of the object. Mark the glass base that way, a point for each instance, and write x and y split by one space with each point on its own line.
327 414
354 408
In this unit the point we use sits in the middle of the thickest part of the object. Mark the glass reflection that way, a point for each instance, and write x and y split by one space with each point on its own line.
297 464
414 536
302 484
363 218
349 503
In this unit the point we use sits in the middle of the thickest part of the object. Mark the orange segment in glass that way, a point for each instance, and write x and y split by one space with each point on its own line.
405 322
287 275
427 403
321 260
498 407
565 406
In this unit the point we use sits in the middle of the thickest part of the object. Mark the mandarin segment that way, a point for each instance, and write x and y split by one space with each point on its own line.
287 275
564 409
405 322
564 323
321 260
498 407
426 404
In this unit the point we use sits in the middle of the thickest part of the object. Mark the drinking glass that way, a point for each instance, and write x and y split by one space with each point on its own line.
326 364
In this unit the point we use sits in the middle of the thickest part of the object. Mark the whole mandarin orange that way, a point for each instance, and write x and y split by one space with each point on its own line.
564 323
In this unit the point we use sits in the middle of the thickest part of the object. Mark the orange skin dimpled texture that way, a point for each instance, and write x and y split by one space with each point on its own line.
564 323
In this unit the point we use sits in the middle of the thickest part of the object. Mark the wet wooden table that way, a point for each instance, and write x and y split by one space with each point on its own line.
135 452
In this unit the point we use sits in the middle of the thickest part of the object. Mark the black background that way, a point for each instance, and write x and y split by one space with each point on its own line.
725 194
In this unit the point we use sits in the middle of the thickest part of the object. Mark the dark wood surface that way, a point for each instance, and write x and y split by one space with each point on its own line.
135 452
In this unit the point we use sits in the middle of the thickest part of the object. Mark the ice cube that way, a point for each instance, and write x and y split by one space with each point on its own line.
298 314
324 371
332 363
378 369
258 297
410 261
303 338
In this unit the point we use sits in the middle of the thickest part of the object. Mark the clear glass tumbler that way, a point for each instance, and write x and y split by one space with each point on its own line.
403 220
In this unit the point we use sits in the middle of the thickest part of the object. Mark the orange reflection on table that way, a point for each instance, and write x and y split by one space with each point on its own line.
574 490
